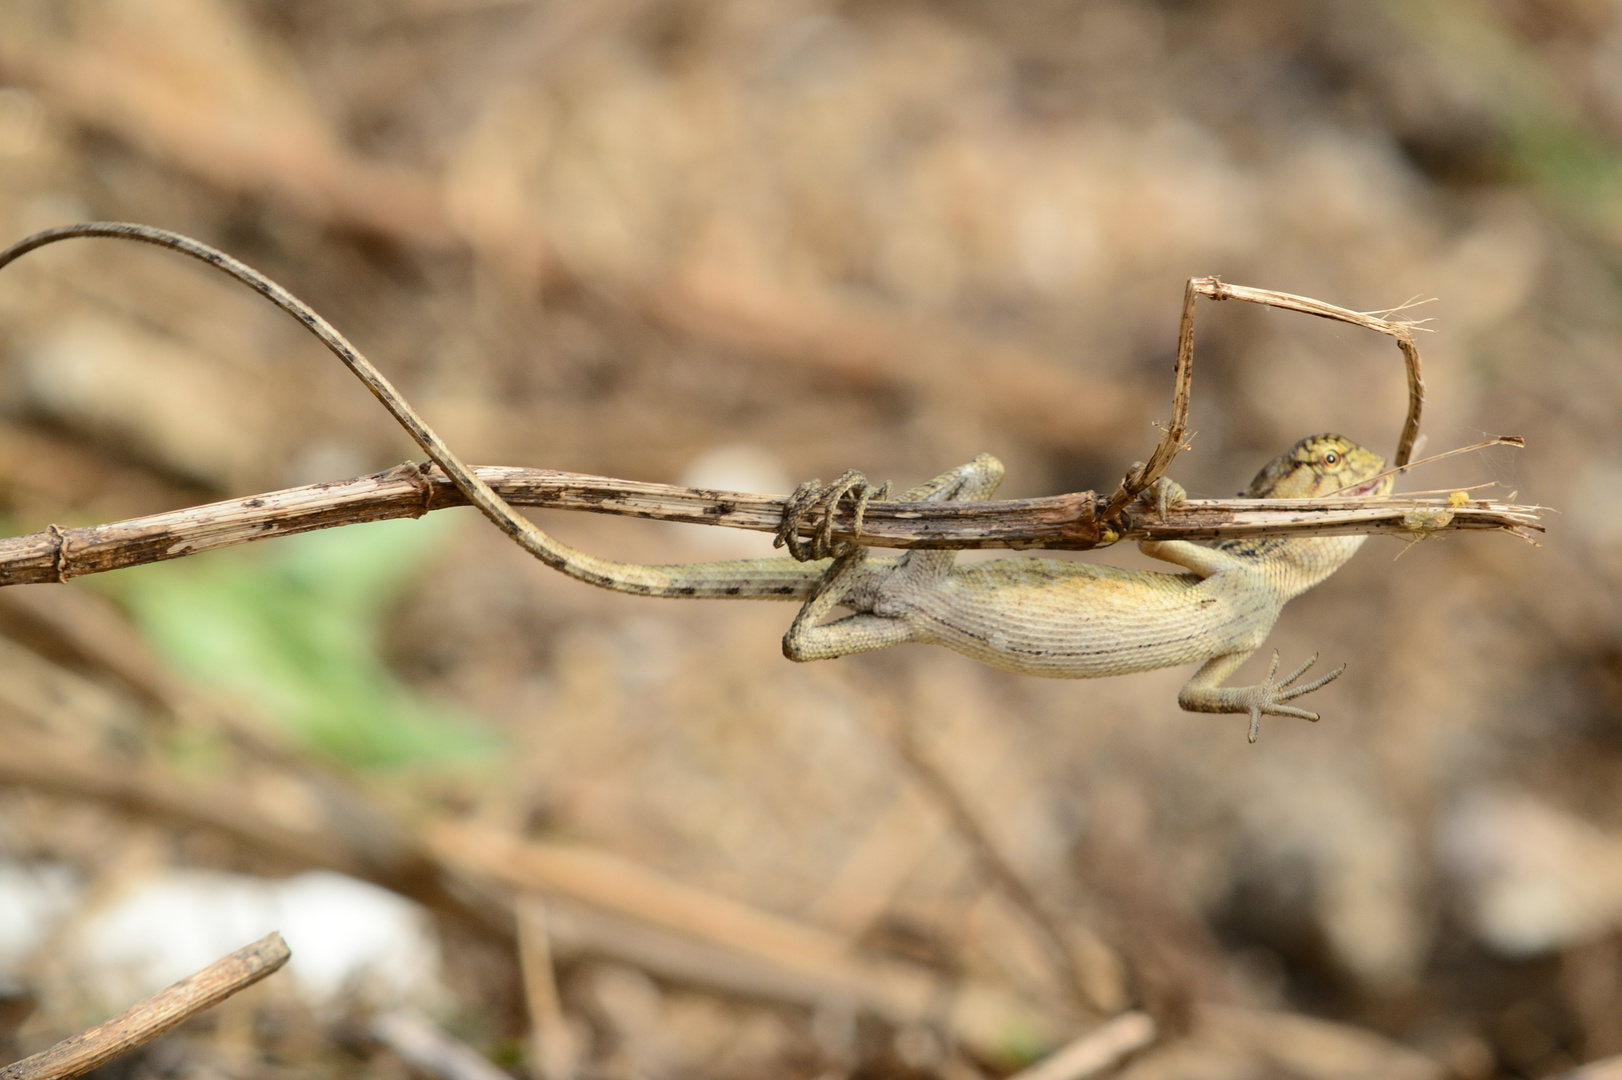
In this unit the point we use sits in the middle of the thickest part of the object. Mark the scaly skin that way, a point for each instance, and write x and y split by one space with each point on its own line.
1079 620
1060 619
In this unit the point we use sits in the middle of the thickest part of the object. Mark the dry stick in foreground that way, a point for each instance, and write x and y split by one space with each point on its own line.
145 1021
671 928
940 787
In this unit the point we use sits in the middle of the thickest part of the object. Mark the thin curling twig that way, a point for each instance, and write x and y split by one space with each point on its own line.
1176 430
1400 330
146 1020
605 573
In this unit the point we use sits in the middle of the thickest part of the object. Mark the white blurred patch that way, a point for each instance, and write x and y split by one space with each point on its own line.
1537 878
34 900
736 467
347 937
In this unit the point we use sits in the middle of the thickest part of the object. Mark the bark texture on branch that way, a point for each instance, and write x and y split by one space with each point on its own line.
146 1020
1064 522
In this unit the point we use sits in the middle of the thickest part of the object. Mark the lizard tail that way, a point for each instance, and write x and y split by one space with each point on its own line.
788 582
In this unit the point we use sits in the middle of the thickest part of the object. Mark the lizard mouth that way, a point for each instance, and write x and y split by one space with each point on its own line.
1365 488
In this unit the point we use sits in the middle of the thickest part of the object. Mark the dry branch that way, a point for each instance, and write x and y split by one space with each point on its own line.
809 962
1095 1051
145 1021
1174 431
1078 521
1070 522
1400 330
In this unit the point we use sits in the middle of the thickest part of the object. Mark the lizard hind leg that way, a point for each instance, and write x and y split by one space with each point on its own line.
844 637
809 638
1204 692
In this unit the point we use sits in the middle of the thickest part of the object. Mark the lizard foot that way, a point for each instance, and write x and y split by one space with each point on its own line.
813 494
1269 697
1161 494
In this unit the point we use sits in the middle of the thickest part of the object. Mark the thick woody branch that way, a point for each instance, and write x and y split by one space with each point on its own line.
1072 522
159 1013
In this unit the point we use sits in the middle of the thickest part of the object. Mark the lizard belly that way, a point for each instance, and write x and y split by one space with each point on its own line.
1078 620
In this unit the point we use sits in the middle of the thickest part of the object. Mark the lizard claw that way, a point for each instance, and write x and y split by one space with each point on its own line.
1161 494
1270 695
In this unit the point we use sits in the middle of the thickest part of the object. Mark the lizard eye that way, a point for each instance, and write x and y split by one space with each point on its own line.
1330 457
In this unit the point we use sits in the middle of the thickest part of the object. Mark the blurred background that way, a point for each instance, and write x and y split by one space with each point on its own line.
741 244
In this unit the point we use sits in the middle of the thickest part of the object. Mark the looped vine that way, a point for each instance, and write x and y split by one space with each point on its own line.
814 495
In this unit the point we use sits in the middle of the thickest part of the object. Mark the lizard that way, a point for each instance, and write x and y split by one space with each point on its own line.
1081 620
1034 616
1045 617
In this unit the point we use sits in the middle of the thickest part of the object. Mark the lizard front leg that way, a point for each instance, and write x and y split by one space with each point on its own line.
1205 692
809 639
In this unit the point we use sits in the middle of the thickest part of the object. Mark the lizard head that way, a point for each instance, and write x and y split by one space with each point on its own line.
1319 465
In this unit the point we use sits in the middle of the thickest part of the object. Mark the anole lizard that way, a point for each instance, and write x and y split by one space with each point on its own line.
1035 616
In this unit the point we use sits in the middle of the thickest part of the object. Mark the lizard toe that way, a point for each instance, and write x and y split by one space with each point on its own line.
1298 672
1306 688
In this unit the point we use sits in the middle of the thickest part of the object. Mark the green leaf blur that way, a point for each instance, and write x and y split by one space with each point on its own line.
295 628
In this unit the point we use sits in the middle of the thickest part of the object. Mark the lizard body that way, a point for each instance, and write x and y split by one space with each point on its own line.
1047 617
1082 620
